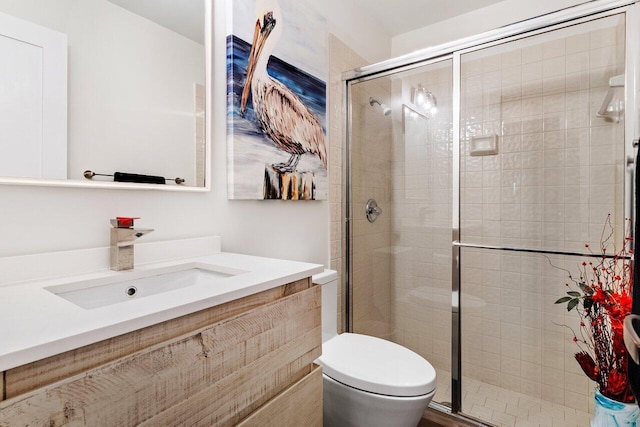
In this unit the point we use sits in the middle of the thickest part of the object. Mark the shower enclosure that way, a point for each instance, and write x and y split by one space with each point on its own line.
501 159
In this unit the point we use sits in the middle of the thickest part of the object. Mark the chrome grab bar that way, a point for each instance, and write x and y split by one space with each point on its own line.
536 251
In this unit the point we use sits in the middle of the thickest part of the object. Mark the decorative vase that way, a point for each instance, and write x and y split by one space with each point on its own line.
609 413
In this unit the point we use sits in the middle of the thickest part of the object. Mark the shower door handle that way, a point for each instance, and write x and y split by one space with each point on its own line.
372 210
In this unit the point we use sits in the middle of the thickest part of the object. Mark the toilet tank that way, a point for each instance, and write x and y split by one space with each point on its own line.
328 279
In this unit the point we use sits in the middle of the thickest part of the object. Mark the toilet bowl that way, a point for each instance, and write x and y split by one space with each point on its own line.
368 381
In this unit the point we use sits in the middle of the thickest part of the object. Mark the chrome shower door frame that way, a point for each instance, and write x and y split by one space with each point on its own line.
564 18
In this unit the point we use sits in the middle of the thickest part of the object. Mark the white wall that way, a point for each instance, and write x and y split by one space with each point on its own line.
34 219
475 22
350 25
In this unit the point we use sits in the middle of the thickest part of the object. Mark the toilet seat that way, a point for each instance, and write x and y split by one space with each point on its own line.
377 366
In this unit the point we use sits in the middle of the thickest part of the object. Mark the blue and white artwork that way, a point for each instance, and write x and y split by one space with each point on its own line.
276 101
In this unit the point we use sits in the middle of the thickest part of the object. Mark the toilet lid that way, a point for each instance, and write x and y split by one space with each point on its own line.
377 366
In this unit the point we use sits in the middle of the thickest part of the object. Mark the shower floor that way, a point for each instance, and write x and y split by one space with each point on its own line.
502 407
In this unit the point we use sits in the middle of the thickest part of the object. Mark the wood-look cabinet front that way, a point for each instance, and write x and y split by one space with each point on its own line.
248 355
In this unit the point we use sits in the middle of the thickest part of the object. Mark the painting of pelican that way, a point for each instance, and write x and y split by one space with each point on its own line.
276 98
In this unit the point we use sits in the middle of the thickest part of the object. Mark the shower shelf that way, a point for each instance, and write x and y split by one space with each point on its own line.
613 105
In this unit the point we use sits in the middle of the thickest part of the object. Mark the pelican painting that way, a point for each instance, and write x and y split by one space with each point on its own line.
276 112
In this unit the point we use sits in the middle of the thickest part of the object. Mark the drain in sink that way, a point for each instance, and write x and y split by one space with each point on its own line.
131 291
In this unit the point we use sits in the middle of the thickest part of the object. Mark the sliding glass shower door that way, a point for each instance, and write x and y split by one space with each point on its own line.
401 158
542 168
478 179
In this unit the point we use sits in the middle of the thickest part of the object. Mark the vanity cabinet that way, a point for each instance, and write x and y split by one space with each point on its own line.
247 362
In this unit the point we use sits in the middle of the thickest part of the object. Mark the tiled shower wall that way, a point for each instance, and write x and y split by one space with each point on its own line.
558 174
371 178
552 183
341 58
421 217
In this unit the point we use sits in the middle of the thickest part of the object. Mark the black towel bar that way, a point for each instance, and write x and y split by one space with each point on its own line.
133 177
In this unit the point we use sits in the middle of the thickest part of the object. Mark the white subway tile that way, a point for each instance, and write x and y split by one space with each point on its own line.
469 68
530 336
473 83
577 62
554 84
599 77
602 57
510 212
554 48
491 228
492 79
605 37
511 178
596 96
512 126
511 109
554 121
602 155
578 118
511 75
491 211
577 137
553 67
511 58
532 106
511 298
554 103
532 71
603 174
575 160
490 163
553 158
532 229
605 135
532 142
531 196
511 161
510 143
577 81
510 229
491 96
530 124
531 53
491 63
509 366
533 88
577 43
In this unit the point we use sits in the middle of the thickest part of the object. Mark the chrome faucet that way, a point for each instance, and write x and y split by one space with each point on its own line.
123 236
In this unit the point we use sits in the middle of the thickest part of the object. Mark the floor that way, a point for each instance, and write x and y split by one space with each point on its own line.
433 418
501 407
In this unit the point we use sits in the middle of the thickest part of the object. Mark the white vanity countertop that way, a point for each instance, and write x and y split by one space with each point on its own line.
37 323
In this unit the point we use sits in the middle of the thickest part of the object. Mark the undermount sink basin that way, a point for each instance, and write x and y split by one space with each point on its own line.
133 285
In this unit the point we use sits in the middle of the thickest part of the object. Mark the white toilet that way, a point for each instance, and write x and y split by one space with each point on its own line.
368 381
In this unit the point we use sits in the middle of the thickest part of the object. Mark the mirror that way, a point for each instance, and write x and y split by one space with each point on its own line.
106 86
